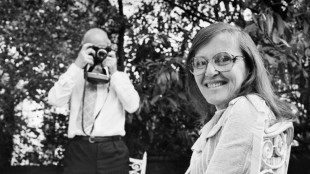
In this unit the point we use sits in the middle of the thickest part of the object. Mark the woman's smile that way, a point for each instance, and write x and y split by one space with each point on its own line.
217 84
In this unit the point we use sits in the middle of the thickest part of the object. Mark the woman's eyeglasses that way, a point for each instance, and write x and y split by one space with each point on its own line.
221 62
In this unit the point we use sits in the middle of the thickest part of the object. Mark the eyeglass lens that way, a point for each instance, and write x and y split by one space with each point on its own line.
221 62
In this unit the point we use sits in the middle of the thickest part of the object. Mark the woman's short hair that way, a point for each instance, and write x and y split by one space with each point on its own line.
257 82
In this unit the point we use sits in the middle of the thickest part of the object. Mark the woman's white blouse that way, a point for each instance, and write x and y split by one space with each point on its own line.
230 141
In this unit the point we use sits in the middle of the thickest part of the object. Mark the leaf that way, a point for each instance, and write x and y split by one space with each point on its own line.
182 96
307 52
306 27
305 73
269 22
275 36
155 99
271 60
280 24
284 42
262 23
174 76
168 76
251 28
173 103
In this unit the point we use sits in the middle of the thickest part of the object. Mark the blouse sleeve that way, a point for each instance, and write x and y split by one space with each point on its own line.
233 153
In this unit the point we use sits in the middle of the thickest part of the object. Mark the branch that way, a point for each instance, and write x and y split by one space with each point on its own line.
204 18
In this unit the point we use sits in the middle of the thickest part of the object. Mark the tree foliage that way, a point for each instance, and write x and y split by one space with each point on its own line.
281 31
39 39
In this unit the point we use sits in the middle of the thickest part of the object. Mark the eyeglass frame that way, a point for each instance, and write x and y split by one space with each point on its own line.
233 60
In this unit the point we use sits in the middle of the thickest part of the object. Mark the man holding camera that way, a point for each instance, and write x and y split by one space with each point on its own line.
98 95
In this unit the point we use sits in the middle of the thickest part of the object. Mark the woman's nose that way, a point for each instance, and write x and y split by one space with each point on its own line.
210 70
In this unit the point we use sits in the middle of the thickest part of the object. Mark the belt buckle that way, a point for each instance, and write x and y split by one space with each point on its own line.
90 140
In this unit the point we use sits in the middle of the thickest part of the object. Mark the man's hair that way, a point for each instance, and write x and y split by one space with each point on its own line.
257 82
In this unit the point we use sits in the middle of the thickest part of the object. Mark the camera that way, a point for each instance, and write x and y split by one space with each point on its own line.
99 56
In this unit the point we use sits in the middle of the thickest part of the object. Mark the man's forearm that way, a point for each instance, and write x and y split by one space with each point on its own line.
60 93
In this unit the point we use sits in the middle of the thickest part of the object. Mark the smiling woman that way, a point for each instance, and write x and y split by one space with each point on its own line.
226 72
219 83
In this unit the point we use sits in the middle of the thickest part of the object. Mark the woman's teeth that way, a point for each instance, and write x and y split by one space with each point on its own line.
214 85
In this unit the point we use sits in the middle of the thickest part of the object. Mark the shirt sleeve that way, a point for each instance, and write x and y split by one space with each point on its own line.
125 91
60 93
233 152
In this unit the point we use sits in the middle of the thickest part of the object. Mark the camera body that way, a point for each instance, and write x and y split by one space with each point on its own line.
99 56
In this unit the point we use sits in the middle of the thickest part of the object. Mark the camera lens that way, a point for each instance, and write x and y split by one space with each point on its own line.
101 54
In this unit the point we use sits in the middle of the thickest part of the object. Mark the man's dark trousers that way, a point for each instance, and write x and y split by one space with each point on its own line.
106 155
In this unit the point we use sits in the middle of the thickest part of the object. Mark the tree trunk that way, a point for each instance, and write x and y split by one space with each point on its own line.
7 126
121 33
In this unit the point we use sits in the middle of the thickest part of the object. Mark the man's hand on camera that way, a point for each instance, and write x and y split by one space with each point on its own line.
110 62
85 56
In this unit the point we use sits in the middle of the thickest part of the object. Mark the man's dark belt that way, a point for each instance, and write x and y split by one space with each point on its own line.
97 139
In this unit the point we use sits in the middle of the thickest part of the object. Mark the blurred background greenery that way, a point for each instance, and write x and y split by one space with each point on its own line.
40 38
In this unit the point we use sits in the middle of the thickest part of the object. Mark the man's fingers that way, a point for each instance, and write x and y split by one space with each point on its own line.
86 46
110 60
89 59
90 51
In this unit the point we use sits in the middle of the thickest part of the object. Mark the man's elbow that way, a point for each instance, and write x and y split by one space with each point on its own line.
134 107
52 100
